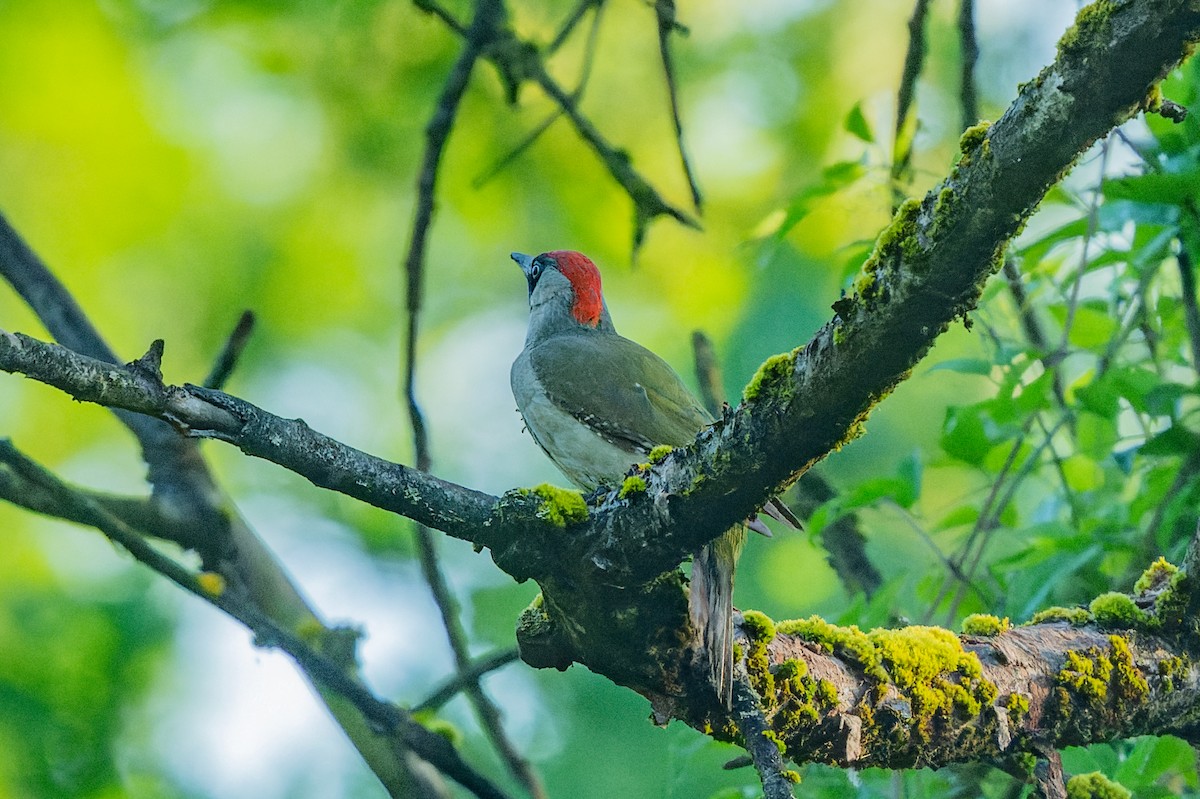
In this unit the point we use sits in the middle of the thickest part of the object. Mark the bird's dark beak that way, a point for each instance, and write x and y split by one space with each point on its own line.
526 263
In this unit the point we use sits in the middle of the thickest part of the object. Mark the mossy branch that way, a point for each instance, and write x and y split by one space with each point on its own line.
922 696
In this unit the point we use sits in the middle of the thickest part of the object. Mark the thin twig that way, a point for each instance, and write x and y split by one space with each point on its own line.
1033 328
956 573
905 119
574 18
993 515
488 13
648 203
431 7
968 97
585 73
519 61
953 568
231 352
464 678
1093 220
664 11
708 373
1191 314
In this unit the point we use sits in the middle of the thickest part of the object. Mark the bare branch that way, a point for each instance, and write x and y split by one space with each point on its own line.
967 96
488 15
463 678
906 117
231 352
664 10
391 720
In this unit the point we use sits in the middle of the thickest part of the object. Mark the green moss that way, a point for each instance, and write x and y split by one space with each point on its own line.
1074 616
926 666
1171 607
534 617
1093 25
1095 786
1152 102
791 669
849 643
1158 575
791 776
776 372
1130 680
1017 706
930 666
760 630
1115 609
902 226
985 625
438 726
973 137
559 506
758 626
659 453
1096 692
1170 668
634 484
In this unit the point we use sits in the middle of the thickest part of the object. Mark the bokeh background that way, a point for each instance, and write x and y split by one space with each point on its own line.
179 161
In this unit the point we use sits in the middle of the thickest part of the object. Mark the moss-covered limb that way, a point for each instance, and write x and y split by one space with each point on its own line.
927 271
921 696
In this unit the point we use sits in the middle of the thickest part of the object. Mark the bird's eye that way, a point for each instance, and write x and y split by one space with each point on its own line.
535 270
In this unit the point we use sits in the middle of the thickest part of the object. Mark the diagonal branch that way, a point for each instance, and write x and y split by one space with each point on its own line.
320 666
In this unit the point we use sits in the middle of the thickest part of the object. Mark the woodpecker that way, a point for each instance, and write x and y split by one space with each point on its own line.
597 403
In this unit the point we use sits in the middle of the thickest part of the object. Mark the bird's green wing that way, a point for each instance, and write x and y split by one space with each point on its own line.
619 388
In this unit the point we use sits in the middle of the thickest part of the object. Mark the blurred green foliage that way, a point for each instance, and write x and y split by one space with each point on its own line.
178 161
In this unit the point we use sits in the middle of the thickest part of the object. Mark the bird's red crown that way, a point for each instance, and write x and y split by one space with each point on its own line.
585 280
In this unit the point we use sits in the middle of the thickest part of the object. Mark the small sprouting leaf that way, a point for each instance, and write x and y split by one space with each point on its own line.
856 123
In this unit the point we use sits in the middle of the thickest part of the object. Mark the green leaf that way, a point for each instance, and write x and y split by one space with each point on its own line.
964 435
1175 440
1135 384
968 366
1152 757
1170 188
834 178
1098 396
857 124
1093 327
910 472
871 491
1112 216
1096 434
960 516
1036 249
1164 397
1082 473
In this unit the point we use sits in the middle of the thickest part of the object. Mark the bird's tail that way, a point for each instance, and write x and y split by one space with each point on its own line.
711 605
